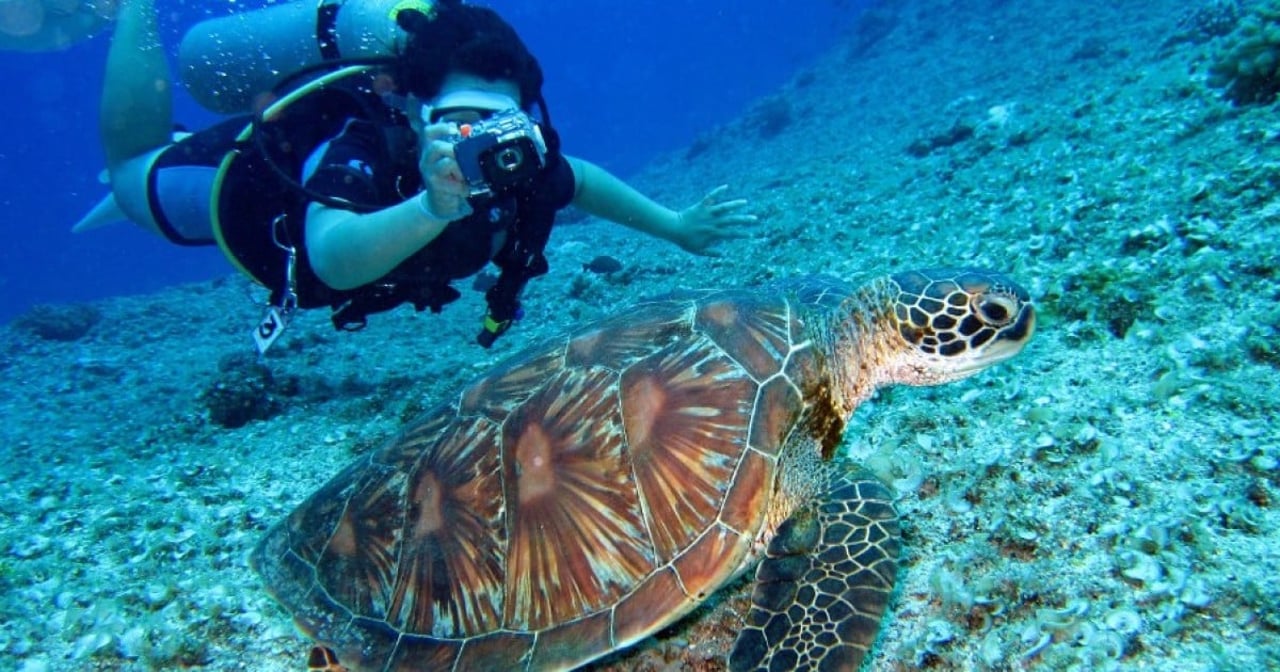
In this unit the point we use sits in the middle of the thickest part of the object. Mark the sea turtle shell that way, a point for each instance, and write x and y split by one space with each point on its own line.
590 491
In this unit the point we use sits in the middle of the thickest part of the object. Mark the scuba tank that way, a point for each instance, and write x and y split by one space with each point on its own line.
227 62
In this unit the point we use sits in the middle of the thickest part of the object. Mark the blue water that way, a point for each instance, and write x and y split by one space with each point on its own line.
626 81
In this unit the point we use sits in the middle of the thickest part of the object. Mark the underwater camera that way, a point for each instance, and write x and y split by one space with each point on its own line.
500 152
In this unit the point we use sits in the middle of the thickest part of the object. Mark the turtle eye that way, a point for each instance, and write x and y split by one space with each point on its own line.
996 309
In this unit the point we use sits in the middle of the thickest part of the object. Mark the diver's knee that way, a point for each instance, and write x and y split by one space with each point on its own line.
130 180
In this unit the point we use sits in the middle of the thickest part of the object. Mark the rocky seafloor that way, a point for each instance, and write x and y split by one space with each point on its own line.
1107 500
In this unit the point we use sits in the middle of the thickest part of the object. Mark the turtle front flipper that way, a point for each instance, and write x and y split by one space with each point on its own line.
825 581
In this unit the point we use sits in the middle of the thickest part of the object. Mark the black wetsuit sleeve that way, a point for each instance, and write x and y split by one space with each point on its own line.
558 184
348 164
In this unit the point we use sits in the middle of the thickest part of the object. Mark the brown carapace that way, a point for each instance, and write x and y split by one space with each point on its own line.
594 489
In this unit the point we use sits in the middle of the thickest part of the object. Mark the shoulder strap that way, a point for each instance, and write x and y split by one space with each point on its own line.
522 259
322 105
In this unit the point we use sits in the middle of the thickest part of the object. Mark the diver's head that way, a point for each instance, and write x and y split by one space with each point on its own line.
462 99
455 46
465 98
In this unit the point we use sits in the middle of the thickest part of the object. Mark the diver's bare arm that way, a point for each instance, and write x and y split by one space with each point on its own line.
348 249
697 228
598 192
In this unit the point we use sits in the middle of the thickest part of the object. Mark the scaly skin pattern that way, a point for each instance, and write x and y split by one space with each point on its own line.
958 321
594 489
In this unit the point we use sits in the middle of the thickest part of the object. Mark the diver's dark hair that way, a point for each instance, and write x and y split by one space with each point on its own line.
464 38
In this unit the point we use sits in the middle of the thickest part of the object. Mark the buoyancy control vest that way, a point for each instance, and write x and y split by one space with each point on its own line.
259 209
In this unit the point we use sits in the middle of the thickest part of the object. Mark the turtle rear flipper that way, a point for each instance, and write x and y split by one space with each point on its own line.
825 581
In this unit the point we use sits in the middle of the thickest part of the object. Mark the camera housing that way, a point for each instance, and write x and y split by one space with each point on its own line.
500 152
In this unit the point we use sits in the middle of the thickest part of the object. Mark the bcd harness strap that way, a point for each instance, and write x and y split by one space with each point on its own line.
353 314
327 30
520 260
284 297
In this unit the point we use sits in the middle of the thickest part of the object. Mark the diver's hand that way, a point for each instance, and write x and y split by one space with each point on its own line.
445 190
711 220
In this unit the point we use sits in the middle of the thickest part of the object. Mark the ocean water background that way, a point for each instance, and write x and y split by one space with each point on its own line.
625 82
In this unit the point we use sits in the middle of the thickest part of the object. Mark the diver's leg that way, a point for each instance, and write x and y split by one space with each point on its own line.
136 115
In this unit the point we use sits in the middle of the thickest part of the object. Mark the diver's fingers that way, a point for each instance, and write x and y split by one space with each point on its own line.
744 220
714 194
719 208
439 131
439 156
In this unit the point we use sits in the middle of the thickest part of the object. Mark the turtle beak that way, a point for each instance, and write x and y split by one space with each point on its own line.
1012 338
1007 342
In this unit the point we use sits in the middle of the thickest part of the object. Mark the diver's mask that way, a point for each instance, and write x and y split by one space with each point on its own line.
484 103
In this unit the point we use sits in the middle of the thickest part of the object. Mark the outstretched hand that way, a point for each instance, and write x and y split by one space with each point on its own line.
446 190
711 220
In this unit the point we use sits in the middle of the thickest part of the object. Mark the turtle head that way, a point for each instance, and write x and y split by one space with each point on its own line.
954 322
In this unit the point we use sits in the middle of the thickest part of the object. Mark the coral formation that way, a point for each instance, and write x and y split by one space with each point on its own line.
957 133
1247 67
771 117
874 24
59 322
244 390
1205 22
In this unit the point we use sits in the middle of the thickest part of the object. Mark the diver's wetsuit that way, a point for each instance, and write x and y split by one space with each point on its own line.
369 163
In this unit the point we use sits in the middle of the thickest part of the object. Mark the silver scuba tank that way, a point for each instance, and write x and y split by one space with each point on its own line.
227 62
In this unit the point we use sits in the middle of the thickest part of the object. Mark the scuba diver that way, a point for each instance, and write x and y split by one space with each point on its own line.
363 183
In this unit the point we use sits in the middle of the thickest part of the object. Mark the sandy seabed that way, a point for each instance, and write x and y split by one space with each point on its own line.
1107 500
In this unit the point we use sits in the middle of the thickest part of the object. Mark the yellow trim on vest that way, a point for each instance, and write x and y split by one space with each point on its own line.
277 107
268 114
427 7
215 197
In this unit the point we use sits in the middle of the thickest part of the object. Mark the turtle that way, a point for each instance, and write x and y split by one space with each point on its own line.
589 491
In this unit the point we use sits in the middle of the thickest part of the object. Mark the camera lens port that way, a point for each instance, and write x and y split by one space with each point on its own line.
509 159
